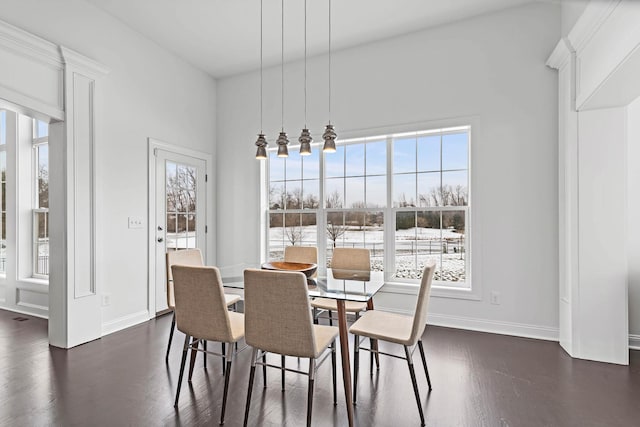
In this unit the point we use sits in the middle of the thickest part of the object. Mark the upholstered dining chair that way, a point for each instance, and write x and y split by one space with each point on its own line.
191 257
399 329
302 254
202 314
344 259
278 320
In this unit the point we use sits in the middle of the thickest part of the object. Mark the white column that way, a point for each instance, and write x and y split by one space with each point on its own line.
74 297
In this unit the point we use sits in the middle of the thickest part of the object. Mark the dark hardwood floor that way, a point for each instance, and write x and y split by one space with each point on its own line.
478 379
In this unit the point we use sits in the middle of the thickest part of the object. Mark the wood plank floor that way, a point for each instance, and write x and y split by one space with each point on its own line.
478 379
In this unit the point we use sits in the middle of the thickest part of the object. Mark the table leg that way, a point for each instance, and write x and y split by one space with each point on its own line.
346 367
374 343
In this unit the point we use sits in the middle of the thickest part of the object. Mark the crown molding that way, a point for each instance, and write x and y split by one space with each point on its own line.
88 66
29 45
595 14
561 55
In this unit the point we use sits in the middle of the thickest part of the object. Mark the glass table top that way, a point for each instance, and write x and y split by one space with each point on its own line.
349 285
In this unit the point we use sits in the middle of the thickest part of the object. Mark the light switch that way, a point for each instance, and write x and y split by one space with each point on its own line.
135 222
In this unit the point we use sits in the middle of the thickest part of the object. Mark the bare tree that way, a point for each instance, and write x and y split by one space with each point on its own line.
294 234
334 200
335 231
403 202
311 201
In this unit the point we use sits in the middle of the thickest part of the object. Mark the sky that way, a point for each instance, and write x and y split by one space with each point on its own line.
357 171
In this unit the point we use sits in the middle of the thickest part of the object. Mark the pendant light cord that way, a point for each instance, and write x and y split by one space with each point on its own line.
329 61
282 62
305 64
261 43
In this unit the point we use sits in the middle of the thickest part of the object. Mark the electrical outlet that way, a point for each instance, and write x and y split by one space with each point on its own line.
106 300
495 297
135 222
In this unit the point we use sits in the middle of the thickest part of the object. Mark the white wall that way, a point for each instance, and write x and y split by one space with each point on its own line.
633 212
148 93
492 67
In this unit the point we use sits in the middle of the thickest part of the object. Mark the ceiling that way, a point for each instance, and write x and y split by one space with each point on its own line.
222 37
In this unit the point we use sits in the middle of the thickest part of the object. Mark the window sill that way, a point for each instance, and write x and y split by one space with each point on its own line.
35 281
438 291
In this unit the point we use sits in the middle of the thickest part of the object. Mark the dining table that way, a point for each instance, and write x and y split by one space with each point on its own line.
341 286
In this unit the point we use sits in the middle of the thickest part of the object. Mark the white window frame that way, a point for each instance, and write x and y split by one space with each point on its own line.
36 143
3 149
472 289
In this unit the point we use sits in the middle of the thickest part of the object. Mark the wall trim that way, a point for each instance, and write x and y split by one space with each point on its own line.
495 327
561 55
124 322
491 326
25 312
590 22
634 342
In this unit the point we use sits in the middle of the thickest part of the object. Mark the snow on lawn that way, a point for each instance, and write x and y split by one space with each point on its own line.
414 247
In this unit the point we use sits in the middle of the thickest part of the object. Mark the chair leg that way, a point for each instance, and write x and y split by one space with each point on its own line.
412 372
312 370
333 372
356 365
173 328
224 351
194 353
282 364
185 351
330 318
252 375
264 369
227 374
204 355
424 363
315 315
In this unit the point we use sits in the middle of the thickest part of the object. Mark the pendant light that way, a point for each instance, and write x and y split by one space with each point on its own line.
329 134
261 142
305 137
282 140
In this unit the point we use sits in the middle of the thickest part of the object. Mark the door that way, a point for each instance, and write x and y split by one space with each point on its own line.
180 212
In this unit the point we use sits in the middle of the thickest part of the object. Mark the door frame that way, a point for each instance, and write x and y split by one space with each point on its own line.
210 255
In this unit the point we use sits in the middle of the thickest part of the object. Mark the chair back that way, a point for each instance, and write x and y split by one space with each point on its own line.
277 314
420 315
184 257
351 259
201 310
302 254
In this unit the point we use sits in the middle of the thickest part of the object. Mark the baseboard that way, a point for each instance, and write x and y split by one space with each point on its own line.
634 342
491 326
124 322
26 312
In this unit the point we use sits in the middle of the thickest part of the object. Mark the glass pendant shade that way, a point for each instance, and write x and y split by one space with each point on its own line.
282 142
305 142
329 137
261 143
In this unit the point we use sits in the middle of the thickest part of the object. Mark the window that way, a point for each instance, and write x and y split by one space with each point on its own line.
3 192
41 199
294 201
430 204
355 198
403 196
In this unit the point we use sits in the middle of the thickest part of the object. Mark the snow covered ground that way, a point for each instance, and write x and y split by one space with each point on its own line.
414 247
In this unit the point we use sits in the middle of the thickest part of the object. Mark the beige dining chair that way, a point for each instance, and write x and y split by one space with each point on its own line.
278 320
398 329
202 315
191 257
344 259
302 254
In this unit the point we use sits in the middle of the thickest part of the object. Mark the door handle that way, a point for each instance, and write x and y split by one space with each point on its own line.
160 240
